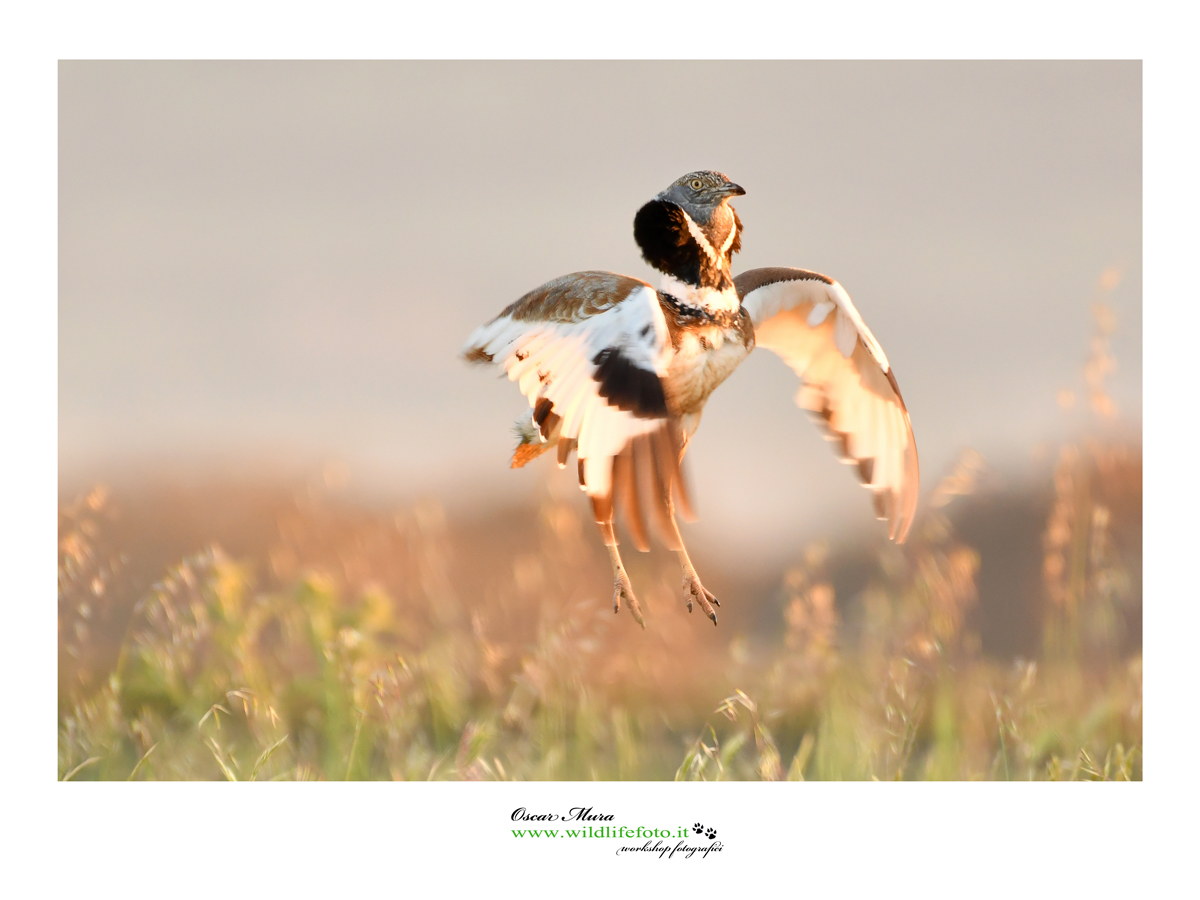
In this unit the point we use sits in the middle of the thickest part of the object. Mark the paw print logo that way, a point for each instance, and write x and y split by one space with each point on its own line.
704 830
697 827
710 833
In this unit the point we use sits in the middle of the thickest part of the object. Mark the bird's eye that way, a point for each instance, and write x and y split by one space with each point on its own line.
697 184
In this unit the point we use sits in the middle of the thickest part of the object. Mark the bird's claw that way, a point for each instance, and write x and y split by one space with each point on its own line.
622 588
693 589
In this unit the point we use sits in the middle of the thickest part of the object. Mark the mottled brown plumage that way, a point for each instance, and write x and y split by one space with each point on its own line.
574 297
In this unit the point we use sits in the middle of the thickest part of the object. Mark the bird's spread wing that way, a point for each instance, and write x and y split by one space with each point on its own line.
589 351
848 389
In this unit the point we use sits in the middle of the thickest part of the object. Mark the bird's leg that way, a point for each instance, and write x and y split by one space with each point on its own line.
621 585
692 588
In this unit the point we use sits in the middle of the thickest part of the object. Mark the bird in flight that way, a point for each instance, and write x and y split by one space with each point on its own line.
619 372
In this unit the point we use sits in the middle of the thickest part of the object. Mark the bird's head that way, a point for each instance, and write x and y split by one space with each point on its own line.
702 194
690 231
705 196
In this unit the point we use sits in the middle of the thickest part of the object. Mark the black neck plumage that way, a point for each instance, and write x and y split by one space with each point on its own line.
661 230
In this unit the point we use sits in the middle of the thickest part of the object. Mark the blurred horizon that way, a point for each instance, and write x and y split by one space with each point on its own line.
266 269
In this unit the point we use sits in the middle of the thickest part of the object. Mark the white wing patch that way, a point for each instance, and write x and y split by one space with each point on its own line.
595 385
848 387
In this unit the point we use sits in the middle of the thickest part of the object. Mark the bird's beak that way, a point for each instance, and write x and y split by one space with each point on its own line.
733 190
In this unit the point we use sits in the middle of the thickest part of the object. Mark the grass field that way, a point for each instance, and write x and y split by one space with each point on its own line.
333 642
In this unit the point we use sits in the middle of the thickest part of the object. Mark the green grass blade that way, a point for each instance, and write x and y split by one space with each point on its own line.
265 755
87 762
220 760
145 756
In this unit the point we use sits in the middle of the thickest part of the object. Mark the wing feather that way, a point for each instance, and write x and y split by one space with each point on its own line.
590 351
848 386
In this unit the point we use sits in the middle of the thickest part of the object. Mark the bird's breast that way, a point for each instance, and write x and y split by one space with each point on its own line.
704 356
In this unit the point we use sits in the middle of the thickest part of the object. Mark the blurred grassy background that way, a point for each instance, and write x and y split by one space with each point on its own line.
271 631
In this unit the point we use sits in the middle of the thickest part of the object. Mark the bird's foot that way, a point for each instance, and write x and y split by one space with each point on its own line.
694 590
623 589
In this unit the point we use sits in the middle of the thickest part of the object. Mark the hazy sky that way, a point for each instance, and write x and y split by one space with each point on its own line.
279 261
